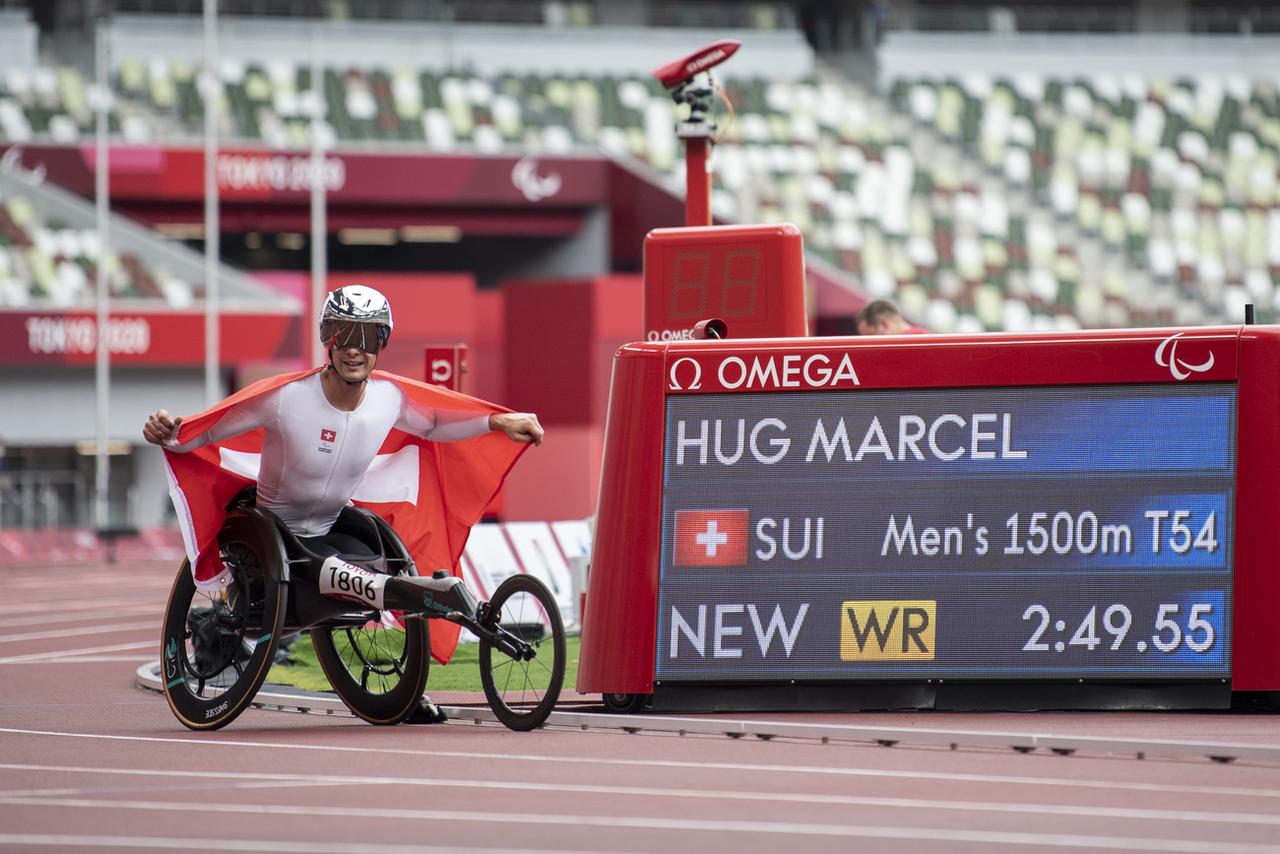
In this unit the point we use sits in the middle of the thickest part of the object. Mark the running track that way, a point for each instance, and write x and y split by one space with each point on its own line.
90 762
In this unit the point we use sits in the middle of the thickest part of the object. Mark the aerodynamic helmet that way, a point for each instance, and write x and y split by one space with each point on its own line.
356 315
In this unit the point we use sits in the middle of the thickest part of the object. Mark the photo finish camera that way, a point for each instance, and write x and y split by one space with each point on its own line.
690 83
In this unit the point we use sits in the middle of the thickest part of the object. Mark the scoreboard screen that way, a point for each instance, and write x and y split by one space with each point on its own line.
1034 532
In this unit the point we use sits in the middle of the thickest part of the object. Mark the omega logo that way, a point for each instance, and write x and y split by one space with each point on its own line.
696 65
674 375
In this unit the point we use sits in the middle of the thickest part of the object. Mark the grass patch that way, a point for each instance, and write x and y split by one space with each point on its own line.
462 673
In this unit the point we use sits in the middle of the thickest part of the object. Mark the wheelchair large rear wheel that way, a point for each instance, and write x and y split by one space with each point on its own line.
522 693
218 647
378 669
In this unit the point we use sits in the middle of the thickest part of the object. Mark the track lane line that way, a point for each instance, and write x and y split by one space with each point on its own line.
187 843
86 659
118 609
267 780
789 830
1229 791
76 631
65 653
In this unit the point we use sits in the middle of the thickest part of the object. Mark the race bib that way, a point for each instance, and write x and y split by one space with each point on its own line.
351 583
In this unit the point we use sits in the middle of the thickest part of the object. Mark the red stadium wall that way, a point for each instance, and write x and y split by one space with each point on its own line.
486 362
560 340
561 337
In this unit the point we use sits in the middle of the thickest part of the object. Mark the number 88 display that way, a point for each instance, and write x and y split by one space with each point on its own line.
738 284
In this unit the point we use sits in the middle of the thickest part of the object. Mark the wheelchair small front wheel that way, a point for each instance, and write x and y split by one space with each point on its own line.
217 647
522 692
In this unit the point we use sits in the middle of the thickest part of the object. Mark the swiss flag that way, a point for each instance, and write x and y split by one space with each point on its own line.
328 435
711 537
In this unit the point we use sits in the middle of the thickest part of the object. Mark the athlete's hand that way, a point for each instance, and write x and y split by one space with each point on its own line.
519 426
160 427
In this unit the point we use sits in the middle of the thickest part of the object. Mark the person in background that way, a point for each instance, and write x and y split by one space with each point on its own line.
881 317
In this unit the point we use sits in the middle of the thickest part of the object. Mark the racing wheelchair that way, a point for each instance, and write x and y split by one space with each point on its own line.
373 644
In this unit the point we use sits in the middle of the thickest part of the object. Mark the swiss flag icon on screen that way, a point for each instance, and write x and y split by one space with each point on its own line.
328 435
711 537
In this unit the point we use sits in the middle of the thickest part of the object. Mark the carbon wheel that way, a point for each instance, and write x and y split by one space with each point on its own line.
379 669
218 647
522 693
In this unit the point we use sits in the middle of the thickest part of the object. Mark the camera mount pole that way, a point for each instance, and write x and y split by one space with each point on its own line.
698 132
689 82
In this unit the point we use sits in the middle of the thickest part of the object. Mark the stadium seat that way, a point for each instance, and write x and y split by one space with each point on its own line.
1172 181
1072 184
48 263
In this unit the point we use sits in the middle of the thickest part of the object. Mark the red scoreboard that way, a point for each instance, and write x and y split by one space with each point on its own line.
1081 519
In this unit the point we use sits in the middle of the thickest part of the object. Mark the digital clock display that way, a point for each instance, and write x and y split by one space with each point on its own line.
751 277
1049 532
715 281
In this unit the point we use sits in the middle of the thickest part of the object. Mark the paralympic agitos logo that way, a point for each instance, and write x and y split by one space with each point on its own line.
1167 357
832 369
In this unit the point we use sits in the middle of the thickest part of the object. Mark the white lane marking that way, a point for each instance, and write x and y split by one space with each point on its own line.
82 589
69 608
114 609
783 828
67 653
37 577
85 659
76 631
1231 791
188 843
268 780
247 784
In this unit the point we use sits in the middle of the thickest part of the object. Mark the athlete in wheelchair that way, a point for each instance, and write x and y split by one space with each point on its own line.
282 548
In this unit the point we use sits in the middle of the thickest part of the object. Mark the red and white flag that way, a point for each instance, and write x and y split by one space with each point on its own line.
431 493
711 537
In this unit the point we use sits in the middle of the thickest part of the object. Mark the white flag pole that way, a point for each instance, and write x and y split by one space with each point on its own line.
102 364
319 225
212 232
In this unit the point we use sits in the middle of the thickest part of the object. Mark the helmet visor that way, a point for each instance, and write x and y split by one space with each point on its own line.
369 337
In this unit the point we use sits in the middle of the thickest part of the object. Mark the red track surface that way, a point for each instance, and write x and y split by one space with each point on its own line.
88 761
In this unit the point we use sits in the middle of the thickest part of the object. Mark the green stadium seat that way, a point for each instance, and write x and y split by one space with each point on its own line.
1047 191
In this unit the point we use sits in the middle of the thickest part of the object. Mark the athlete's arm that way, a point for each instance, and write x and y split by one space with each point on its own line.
443 425
162 428
440 425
